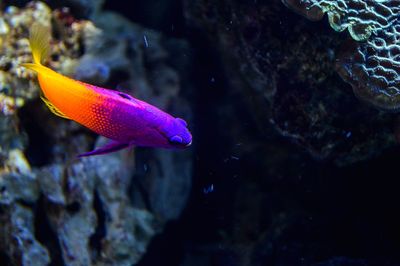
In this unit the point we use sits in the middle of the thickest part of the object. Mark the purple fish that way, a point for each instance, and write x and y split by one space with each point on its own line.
118 116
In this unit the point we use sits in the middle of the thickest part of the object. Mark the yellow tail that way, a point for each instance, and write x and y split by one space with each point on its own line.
34 67
39 41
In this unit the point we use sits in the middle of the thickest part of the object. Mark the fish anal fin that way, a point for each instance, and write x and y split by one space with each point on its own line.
53 109
112 146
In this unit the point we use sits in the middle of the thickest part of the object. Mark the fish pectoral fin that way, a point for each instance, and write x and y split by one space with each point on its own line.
112 146
53 109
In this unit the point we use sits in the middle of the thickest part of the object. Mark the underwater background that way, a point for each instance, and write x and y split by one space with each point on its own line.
293 109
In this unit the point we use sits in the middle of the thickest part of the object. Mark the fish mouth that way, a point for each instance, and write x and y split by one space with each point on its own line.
187 145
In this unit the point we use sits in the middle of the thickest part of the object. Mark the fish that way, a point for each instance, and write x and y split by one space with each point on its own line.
125 120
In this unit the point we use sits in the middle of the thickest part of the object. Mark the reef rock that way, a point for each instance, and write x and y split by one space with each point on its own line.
102 210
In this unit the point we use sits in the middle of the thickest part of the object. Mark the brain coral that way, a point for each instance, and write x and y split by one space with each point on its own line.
372 64
373 68
360 17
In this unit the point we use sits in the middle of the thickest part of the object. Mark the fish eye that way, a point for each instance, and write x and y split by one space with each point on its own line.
183 122
176 140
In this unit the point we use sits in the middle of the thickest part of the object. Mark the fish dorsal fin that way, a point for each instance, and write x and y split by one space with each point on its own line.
53 109
130 98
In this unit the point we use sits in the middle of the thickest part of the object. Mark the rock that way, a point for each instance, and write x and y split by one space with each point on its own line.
17 181
17 237
90 211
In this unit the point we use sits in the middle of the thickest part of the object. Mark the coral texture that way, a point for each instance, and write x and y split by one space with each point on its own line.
373 68
372 65
360 18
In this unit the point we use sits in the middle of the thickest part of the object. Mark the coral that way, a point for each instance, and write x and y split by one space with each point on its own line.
373 68
371 65
361 18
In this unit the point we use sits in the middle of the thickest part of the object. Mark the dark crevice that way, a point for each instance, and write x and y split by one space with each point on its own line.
73 208
38 151
44 233
3 209
137 187
100 232
4 259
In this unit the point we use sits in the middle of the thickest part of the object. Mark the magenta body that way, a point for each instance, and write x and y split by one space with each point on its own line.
129 121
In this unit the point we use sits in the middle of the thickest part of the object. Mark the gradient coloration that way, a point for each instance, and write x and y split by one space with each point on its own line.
118 116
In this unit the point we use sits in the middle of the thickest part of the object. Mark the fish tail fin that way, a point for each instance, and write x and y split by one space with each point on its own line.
39 41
